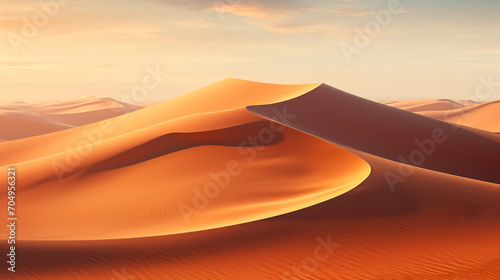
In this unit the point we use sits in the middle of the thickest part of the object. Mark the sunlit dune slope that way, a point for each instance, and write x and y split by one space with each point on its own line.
223 95
188 173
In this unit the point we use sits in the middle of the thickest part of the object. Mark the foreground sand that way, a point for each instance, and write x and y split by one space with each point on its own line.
106 200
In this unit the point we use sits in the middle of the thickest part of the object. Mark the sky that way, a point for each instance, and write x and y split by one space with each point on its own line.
380 50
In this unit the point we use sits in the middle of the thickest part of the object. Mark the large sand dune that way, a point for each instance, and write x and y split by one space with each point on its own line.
391 133
243 180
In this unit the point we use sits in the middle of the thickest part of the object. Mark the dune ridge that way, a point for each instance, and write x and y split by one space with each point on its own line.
397 141
206 141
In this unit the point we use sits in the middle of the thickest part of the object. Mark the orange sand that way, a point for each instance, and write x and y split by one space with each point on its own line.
114 208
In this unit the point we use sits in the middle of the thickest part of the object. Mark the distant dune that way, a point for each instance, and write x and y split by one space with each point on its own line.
484 116
245 180
20 120
421 105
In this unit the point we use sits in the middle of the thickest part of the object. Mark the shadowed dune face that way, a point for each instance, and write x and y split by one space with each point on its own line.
242 180
175 142
391 133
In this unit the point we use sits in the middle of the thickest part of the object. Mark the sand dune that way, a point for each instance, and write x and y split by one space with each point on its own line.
391 133
421 105
166 152
484 116
21 120
224 95
17 124
277 180
243 180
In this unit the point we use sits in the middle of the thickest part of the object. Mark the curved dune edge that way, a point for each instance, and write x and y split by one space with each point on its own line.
147 182
390 133
226 94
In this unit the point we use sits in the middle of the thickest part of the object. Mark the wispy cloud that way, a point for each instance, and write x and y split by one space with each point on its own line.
301 26
350 12
71 19
257 9
253 11
15 66
197 23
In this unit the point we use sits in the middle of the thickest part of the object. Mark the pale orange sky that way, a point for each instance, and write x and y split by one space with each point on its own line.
104 48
